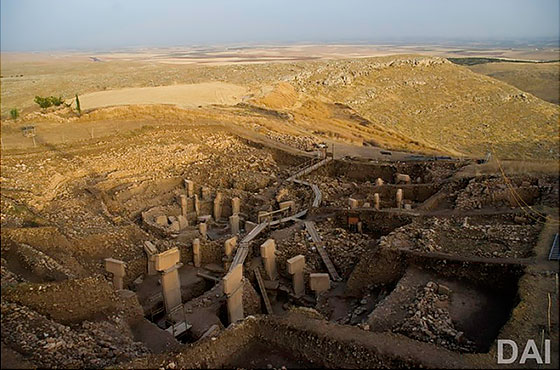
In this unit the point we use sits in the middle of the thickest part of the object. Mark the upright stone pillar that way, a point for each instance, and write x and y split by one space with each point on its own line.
402 178
295 268
229 247
319 282
183 201
197 255
399 198
196 205
235 205
205 192
183 222
234 224
379 181
202 229
151 252
233 289
189 185
268 254
218 206
376 201
352 203
167 263
117 268
290 204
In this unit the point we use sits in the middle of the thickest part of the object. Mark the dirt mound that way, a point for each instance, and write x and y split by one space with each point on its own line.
282 96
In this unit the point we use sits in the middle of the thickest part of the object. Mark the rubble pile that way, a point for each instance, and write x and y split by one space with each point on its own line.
478 193
9 277
49 344
335 191
41 264
304 143
298 243
458 235
344 248
428 320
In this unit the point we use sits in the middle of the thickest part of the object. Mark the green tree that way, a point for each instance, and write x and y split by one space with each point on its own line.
14 113
78 105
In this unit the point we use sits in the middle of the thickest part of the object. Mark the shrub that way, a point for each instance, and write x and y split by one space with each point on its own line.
14 113
45 102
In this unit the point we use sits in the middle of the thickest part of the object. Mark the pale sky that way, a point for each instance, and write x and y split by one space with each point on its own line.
106 24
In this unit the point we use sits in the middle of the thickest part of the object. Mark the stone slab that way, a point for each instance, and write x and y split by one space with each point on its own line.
233 280
115 267
167 259
296 264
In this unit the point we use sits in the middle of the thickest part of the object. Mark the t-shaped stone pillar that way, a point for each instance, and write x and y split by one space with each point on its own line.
167 263
197 256
235 205
376 201
189 185
218 206
234 224
319 282
268 254
399 198
151 252
295 268
233 289
202 229
352 203
116 268
229 247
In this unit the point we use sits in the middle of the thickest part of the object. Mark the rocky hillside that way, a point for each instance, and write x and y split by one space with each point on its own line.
409 102
416 102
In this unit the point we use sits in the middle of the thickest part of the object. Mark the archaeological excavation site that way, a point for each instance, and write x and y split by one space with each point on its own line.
202 247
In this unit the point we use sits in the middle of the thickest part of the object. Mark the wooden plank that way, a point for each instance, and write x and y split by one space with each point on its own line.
262 288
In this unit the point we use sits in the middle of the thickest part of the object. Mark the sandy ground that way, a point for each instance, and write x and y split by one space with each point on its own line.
186 96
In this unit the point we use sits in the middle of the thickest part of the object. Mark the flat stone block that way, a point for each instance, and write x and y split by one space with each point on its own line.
319 282
162 220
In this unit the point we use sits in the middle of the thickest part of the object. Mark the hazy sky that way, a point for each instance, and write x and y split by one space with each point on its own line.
101 24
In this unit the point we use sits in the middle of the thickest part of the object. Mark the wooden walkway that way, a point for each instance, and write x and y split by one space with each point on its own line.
243 249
